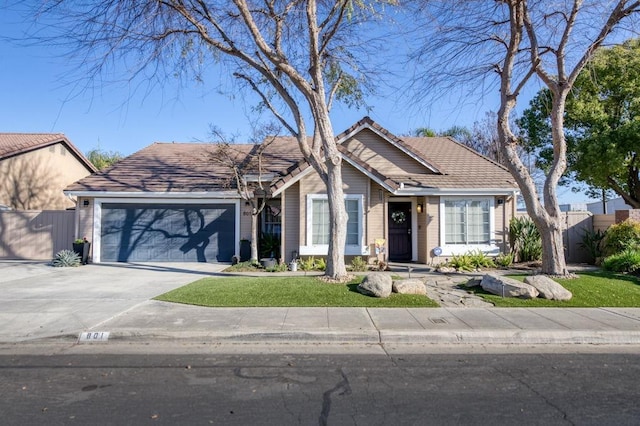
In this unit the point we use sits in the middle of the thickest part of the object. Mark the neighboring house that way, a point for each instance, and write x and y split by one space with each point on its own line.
36 168
613 205
423 196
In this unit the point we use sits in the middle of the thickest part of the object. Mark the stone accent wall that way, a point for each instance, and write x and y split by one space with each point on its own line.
622 215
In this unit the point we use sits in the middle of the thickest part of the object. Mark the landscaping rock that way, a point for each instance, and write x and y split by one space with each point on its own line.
409 286
548 288
376 285
446 270
508 287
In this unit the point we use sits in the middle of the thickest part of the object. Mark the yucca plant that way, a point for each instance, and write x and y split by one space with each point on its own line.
65 258
526 244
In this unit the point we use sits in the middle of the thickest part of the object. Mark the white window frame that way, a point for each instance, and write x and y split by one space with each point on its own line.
456 249
323 249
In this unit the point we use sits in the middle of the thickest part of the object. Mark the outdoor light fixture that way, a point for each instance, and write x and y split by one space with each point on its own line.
419 208
85 203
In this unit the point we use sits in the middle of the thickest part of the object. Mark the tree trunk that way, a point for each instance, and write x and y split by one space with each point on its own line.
254 235
553 256
336 267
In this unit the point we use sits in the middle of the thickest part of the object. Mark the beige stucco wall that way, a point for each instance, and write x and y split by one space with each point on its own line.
35 180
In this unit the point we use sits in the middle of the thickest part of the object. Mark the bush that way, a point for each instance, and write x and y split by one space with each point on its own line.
65 258
358 264
279 267
504 260
627 260
526 244
480 260
622 236
592 242
461 262
320 264
307 264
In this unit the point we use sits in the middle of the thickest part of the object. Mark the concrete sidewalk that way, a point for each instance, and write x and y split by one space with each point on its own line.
39 303
160 321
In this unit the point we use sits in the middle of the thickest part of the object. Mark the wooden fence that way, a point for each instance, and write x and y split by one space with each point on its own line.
35 235
575 224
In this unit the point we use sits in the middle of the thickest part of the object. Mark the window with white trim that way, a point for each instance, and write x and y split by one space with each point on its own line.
467 221
318 217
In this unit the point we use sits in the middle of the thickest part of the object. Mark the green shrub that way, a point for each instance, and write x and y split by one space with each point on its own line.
480 260
65 258
592 242
320 264
622 236
526 244
358 264
462 262
307 264
504 260
279 267
628 260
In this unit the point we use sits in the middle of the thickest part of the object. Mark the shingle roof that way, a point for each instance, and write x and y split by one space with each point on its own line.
12 144
188 167
182 167
465 167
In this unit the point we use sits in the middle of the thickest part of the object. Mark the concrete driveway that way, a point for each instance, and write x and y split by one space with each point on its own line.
37 300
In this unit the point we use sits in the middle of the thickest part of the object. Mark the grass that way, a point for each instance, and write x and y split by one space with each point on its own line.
284 292
590 289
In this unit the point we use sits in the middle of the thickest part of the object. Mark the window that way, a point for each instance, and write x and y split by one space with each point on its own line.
318 224
467 221
271 219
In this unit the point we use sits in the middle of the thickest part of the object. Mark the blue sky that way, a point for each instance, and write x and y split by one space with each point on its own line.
39 96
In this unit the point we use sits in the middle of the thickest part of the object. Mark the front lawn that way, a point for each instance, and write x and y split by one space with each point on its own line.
591 289
284 291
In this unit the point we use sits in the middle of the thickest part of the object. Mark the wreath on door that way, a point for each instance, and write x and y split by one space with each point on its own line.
398 217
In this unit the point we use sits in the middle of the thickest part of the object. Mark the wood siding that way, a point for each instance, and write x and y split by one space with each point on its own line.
382 155
354 182
291 221
35 235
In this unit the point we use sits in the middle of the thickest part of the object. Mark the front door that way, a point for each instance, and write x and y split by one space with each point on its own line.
399 221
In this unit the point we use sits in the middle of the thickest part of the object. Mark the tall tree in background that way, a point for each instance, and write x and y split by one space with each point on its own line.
602 123
524 41
297 55
103 159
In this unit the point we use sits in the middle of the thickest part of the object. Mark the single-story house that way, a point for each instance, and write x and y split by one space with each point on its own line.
422 199
36 168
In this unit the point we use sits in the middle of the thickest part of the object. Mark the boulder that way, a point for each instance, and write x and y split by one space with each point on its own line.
508 287
409 286
376 285
548 288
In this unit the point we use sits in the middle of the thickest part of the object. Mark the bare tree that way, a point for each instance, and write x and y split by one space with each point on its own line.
521 42
248 175
297 55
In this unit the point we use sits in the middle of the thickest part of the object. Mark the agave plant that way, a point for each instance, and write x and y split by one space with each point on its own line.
526 244
65 258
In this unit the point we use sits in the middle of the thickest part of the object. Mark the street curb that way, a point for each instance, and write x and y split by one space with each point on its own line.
512 337
423 337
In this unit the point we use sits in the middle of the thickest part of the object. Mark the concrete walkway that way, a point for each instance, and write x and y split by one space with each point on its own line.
39 302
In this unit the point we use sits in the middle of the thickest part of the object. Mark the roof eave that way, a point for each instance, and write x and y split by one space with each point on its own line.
135 194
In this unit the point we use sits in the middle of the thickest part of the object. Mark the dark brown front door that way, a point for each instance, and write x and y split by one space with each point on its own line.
400 232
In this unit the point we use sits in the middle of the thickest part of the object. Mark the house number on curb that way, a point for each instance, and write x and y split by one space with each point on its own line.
93 336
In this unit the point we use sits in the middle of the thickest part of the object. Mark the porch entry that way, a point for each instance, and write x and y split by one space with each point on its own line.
399 225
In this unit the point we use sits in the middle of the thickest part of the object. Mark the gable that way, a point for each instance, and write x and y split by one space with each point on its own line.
380 154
